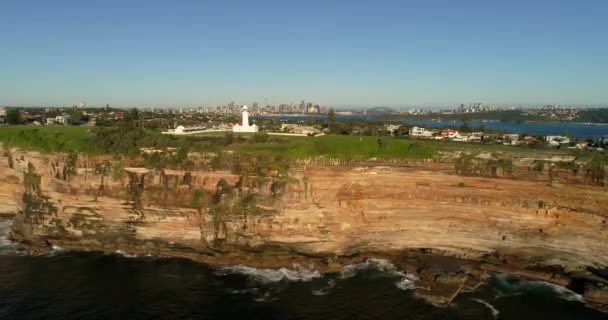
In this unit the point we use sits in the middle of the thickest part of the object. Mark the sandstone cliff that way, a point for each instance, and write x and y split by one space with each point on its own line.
314 216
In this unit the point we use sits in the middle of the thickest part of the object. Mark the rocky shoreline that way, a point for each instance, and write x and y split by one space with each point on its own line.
436 278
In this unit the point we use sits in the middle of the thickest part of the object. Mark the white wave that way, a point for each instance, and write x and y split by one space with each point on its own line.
266 297
406 281
495 311
244 291
124 254
270 275
564 292
55 250
323 291
381 265
517 287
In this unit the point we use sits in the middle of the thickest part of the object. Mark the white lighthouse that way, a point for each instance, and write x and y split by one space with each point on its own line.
245 127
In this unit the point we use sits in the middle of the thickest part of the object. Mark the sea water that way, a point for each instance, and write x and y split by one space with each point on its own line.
87 285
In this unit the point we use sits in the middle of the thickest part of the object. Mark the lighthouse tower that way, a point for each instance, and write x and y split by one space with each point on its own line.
244 126
245 117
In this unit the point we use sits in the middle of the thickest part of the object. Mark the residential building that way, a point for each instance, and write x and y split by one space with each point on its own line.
420 132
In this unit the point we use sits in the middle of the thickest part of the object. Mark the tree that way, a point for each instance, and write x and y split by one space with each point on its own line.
132 117
13 116
331 120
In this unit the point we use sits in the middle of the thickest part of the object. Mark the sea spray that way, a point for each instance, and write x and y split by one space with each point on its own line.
325 290
507 286
385 267
493 309
270 275
125 254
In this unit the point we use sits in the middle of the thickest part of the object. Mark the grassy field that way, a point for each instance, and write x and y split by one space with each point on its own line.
341 147
47 138
96 140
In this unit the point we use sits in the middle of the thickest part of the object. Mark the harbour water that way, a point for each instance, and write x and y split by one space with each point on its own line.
87 285
575 130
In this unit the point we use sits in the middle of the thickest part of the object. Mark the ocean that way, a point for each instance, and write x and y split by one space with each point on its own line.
89 285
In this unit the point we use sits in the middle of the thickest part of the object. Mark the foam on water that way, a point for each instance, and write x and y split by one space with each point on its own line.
244 291
381 265
509 286
323 291
266 297
564 292
124 254
270 275
493 309
56 250
385 267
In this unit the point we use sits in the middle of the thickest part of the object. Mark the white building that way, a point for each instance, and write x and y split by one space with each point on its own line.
300 129
58 120
392 128
245 127
420 132
558 139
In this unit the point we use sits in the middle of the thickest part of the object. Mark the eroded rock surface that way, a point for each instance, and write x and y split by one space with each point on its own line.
316 216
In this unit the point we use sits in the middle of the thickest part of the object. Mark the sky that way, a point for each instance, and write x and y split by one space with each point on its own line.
338 53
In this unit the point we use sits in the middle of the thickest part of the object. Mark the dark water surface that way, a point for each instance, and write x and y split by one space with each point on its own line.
69 285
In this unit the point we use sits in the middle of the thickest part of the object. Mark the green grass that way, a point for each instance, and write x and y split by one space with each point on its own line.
447 146
343 147
82 139
47 138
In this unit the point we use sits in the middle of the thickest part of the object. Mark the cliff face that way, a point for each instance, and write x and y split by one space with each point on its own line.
316 216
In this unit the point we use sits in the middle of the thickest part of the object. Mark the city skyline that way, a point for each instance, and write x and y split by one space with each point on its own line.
340 54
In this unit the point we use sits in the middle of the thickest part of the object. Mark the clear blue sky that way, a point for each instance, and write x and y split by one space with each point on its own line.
129 53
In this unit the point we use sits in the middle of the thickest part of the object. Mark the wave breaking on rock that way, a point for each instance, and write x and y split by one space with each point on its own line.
269 275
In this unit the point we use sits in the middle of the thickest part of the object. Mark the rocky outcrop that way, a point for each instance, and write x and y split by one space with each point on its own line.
316 216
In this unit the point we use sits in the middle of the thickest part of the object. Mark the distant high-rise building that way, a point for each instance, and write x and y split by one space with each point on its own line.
255 106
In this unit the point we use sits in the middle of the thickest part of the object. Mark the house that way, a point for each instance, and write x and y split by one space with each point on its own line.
63 120
530 140
554 143
392 128
476 137
449 133
603 141
300 129
558 139
419 132
510 139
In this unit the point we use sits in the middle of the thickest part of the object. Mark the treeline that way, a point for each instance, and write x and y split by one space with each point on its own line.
594 115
